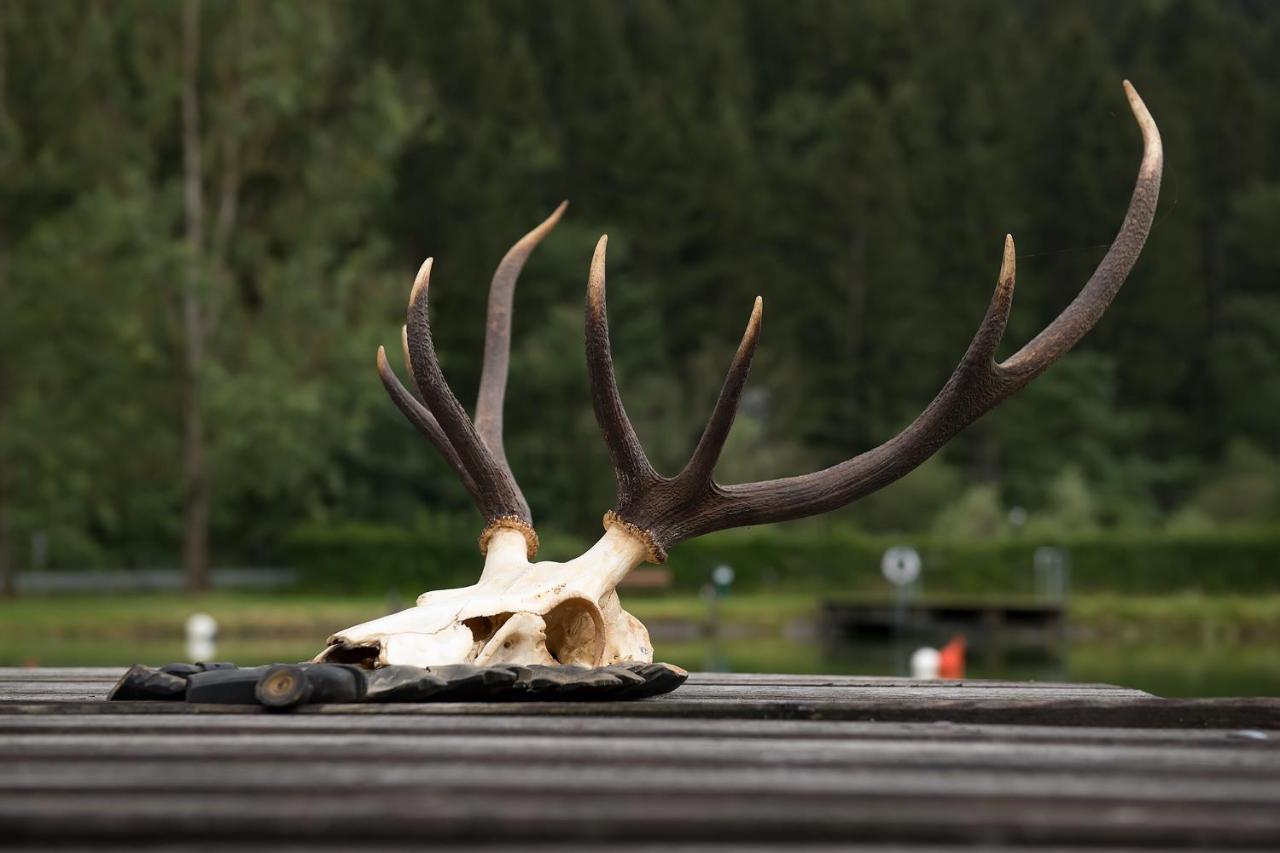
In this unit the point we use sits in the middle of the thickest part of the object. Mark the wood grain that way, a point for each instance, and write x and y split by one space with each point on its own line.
763 760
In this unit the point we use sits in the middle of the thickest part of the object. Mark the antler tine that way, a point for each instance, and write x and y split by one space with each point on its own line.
648 503
1088 306
630 464
978 384
707 453
497 494
497 342
981 353
419 416
668 511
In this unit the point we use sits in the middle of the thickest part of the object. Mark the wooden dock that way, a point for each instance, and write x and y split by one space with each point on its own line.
741 761
989 621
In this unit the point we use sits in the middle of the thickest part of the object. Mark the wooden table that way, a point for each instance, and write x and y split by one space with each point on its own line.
739 760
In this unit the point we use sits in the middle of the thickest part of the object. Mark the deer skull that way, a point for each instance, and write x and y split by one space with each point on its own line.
543 613
518 612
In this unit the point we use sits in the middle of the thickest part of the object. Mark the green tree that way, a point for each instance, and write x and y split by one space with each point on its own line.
239 232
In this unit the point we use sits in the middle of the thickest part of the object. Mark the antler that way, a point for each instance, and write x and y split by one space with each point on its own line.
665 510
497 341
474 450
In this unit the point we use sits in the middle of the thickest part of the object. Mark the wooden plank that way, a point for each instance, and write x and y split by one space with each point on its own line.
112 674
365 748
613 726
813 680
1149 713
65 673
728 758
735 688
630 845
86 692
756 690
97 689
547 814
518 779
927 692
922 689
719 685
374 760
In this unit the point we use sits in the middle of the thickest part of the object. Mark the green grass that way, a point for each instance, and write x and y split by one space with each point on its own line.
1188 616
295 617
763 610
121 617
1171 645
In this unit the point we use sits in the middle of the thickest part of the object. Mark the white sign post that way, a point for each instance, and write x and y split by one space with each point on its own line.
722 577
900 565
201 631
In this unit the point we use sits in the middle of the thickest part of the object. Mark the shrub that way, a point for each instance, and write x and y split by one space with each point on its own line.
371 559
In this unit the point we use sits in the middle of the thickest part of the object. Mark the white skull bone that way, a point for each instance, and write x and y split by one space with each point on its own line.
518 612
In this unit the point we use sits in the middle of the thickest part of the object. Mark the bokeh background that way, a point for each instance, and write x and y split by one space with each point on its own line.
210 215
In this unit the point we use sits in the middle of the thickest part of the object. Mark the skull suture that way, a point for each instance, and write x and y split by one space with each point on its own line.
568 613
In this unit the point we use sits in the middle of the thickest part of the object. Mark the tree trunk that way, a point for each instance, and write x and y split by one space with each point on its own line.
195 547
8 584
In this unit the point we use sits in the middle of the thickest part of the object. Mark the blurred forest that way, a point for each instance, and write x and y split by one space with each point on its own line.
210 215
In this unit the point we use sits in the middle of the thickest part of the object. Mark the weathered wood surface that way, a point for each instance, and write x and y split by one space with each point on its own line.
727 759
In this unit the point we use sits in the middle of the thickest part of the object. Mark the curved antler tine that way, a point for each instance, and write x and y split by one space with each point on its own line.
982 349
497 341
421 417
1088 306
498 495
629 461
669 511
707 453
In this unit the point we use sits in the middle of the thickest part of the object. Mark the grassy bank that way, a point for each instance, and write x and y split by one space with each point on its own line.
1182 645
291 617
1227 563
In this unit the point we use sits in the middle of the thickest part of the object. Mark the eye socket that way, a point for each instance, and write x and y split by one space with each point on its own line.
575 632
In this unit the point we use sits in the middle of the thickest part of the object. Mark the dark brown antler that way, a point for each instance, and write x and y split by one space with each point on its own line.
667 510
649 504
497 341
474 450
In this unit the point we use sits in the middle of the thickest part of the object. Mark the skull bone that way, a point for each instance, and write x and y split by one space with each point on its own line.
518 612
